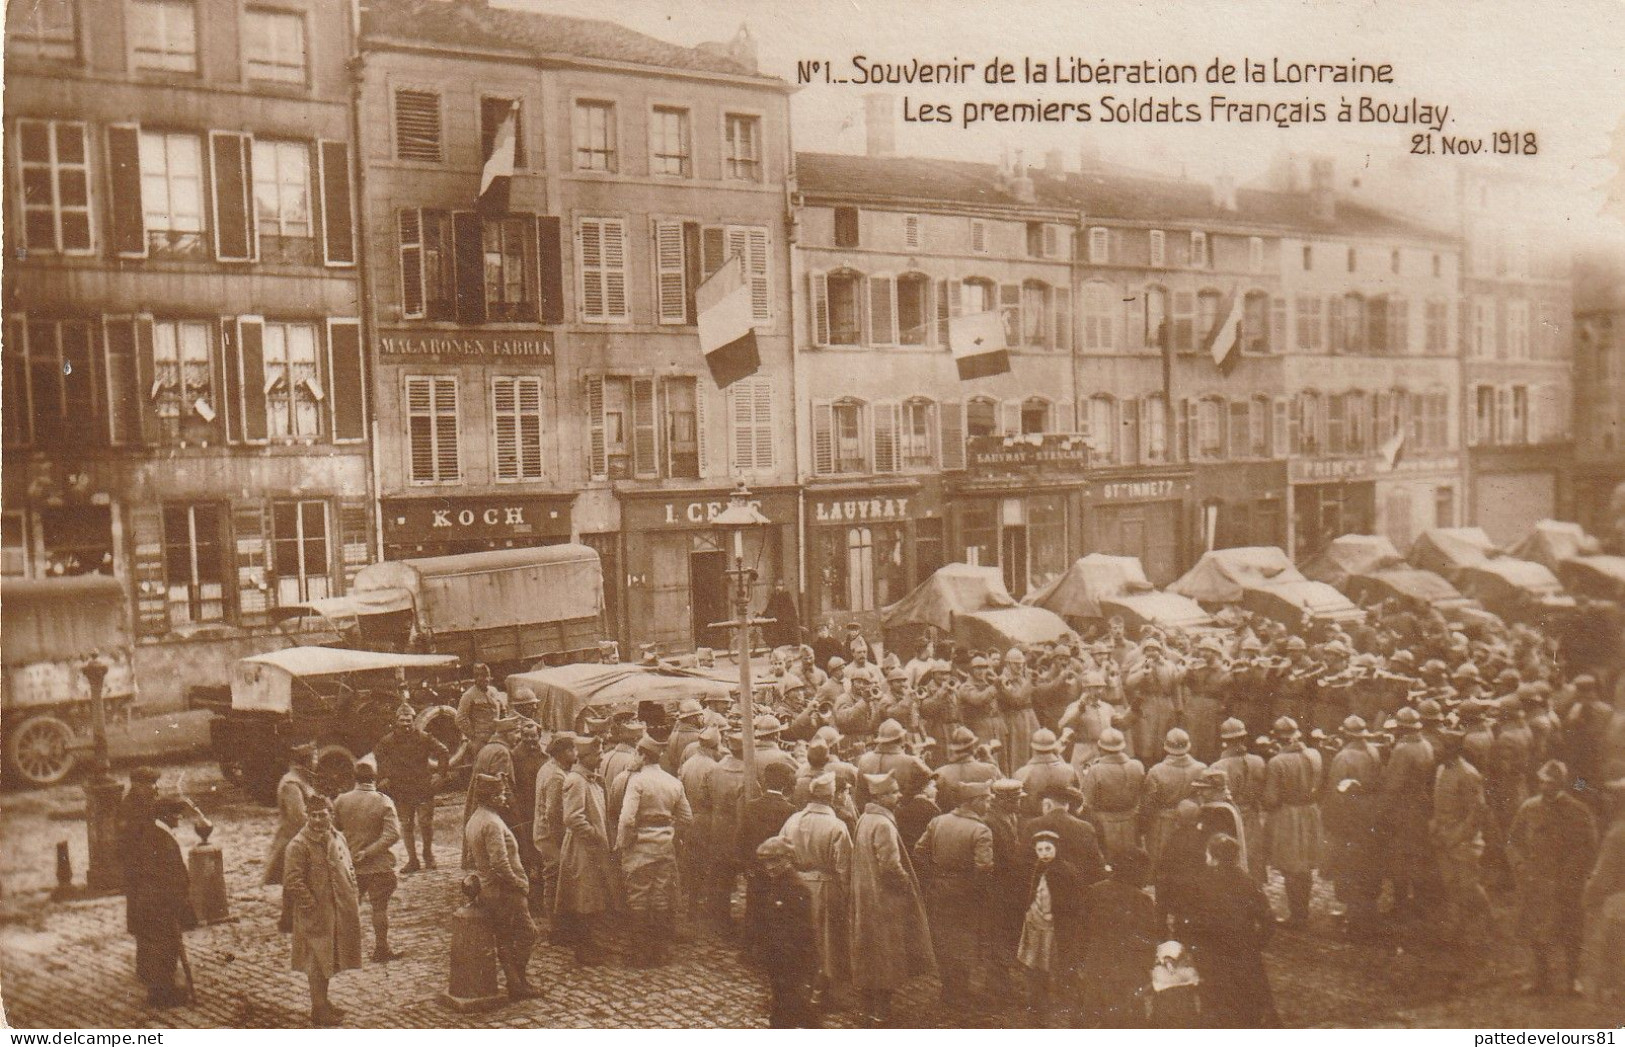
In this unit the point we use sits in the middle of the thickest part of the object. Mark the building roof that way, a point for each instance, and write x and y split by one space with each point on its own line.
1098 194
475 24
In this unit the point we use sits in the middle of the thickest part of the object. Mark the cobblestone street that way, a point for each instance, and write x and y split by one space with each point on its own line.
71 964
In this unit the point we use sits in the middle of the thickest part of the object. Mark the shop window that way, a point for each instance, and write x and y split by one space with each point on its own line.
299 548
77 540
917 434
1046 538
914 315
195 565
13 543
979 532
982 417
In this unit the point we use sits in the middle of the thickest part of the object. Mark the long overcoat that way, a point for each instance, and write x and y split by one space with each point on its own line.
891 940
586 882
319 891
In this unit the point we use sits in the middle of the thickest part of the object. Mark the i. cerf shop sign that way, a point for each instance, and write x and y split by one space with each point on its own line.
699 510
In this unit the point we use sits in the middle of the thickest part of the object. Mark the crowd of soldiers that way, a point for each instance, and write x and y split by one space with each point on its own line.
1084 827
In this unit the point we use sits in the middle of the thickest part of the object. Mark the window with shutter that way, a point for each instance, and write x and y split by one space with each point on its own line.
516 417
1010 313
751 432
761 394
347 380
602 253
645 442
338 206
671 290
129 230
756 269
944 305
409 221
1063 318
417 125
1184 322
1128 428
431 408
882 327
597 439
820 308
354 524
119 372
823 432
250 531
883 425
951 425
1278 325
252 400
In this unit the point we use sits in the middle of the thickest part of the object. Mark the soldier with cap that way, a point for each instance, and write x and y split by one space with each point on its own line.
654 815
504 887
1244 777
495 758
1460 815
620 757
158 898
1551 844
319 894
293 795
547 827
891 941
685 731
1111 787
1044 770
409 758
783 936
963 768
478 710
694 850
823 856
955 859
1292 819
586 879
371 829
1165 785
1406 812
1012 861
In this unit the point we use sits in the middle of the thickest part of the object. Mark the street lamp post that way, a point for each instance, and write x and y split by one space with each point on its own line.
733 522
101 793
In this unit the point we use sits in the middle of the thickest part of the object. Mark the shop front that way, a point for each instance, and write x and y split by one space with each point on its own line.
1329 497
1416 495
1241 503
1513 488
675 564
415 527
868 545
1145 514
1019 506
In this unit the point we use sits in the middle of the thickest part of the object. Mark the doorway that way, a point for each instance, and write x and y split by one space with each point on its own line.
708 596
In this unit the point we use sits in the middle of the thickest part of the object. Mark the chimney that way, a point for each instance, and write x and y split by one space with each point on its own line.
1322 191
878 122
742 48
1021 181
1224 193
1052 163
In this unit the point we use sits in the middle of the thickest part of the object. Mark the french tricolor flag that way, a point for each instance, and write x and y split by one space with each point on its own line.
497 176
726 323
977 342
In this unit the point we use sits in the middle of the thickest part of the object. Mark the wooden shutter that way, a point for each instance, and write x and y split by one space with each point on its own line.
128 218
1126 440
420 423
417 125
251 534
597 446
702 435
123 385
1188 436
756 270
941 314
146 524
356 545
1063 318
149 428
883 426
448 460
691 269
338 209
713 249
615 303
550 268
823 431
409 222
1278 325
251 379
1065 417
1399 326
346 380
951 434
1334 324
505 427
882 311
1184 305
468 247
761 395
645 438
671 291
820 308
231 155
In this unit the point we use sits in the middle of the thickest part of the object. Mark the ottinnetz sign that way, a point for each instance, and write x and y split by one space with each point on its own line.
852 510
1137 490
537 347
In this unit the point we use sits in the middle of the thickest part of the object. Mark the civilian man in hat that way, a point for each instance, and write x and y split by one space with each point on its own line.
1407 812
783 936
478 710
132 818
1460 815
690 722
1016 706
955 859
408 761
371 829
504 886
1244 777
1165 785
1044 770
962 768
586 879
293 795
654 814
1120 944
887 757
823 856
495 758
547 826
158 899
319 892
1112 786
1077 840
891 941
1551 845
978 700
1292 816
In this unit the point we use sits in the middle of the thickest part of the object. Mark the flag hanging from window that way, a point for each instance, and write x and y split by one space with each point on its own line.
727 336
1393 449
1224 344
977 342
497 176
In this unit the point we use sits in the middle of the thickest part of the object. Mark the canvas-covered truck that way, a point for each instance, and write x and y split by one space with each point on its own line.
51 627
509 608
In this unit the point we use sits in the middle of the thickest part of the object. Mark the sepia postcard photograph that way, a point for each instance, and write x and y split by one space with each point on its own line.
850 514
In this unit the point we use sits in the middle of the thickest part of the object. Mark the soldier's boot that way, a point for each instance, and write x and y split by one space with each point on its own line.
1571 971
665 936
513 971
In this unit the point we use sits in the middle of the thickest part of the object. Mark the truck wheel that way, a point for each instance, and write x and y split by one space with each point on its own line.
440 723
40 750
335 770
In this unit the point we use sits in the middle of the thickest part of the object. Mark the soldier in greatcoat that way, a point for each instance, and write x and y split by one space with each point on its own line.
586 883
1460 814
159 900
504 885
1207 684
1154 688
1165 785
963 768
1406 811
1244 775
1111 788
478 710
494 758
293 794
891 941
319 892
1043 771
823 855
887 756
371 828
547 825
978 701
955 859
1292 782
1015 688
724 791
1551 845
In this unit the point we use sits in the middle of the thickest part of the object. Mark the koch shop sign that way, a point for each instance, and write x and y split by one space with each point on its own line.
413 520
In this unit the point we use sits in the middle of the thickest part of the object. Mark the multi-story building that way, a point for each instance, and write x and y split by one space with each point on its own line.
184 395
538 372
1515 329
1599 387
